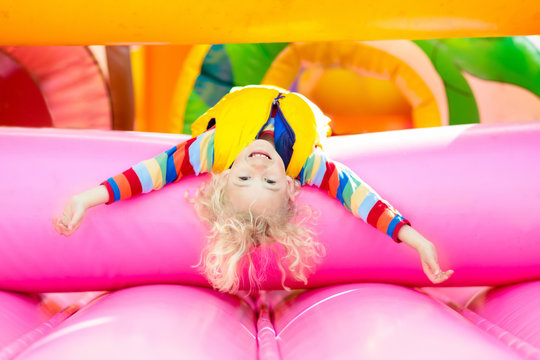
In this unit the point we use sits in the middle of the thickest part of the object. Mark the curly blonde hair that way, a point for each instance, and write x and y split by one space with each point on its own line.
234 235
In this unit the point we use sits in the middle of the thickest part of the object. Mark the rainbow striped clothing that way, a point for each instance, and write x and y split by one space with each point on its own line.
196 155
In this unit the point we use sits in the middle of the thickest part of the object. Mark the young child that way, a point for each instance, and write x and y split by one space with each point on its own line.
261 144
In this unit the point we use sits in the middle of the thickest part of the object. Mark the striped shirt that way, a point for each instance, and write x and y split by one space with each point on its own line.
354 194
196 155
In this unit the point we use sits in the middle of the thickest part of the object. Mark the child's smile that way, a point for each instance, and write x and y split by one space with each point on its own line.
257 180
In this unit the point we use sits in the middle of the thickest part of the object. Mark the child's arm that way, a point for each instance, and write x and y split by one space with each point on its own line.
354 194
359 198
194 156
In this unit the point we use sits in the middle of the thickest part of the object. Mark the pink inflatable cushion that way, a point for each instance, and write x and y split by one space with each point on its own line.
470 189
514 308
55 302
18 315
377 321
455 297
154 322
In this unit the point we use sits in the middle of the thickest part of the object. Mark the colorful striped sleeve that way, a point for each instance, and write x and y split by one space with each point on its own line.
194 156
354 194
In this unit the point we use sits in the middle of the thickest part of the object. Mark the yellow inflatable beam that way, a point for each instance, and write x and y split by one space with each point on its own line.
104 22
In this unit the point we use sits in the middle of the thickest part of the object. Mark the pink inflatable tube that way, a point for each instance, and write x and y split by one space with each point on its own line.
515 309
353 321
19 314
154 322
377 321
472 190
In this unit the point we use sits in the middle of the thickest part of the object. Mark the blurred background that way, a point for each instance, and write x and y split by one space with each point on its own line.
363 86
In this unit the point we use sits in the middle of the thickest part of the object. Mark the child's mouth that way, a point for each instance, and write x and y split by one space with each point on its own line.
260 154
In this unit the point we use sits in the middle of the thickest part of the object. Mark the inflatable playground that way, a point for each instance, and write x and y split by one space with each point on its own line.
436 107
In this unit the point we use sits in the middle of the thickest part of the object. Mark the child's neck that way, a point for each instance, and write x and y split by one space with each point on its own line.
269 138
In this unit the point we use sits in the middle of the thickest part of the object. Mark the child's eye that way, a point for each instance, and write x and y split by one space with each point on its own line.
243 178
270 181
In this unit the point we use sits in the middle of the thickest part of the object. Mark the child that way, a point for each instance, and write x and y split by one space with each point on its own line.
261 144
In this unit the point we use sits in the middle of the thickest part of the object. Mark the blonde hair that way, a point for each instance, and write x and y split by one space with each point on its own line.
234 235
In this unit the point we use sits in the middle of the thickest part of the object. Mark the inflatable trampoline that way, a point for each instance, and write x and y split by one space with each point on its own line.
368 289
125 285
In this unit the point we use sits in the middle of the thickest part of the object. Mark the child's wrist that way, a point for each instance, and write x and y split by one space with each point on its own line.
423 245
81 200
92 197
412 238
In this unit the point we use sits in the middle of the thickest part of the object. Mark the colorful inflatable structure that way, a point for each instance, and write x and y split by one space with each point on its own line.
77 87
472 189
376 85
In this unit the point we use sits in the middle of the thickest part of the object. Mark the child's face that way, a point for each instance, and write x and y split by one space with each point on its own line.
257 180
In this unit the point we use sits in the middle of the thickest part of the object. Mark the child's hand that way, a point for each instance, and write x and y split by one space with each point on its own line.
427 252
430 264
74 211
72 217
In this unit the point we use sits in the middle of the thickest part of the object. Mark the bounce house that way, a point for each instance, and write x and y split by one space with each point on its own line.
435 106
376 85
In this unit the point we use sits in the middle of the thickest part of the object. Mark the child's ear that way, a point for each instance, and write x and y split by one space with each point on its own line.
223 176
293 188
